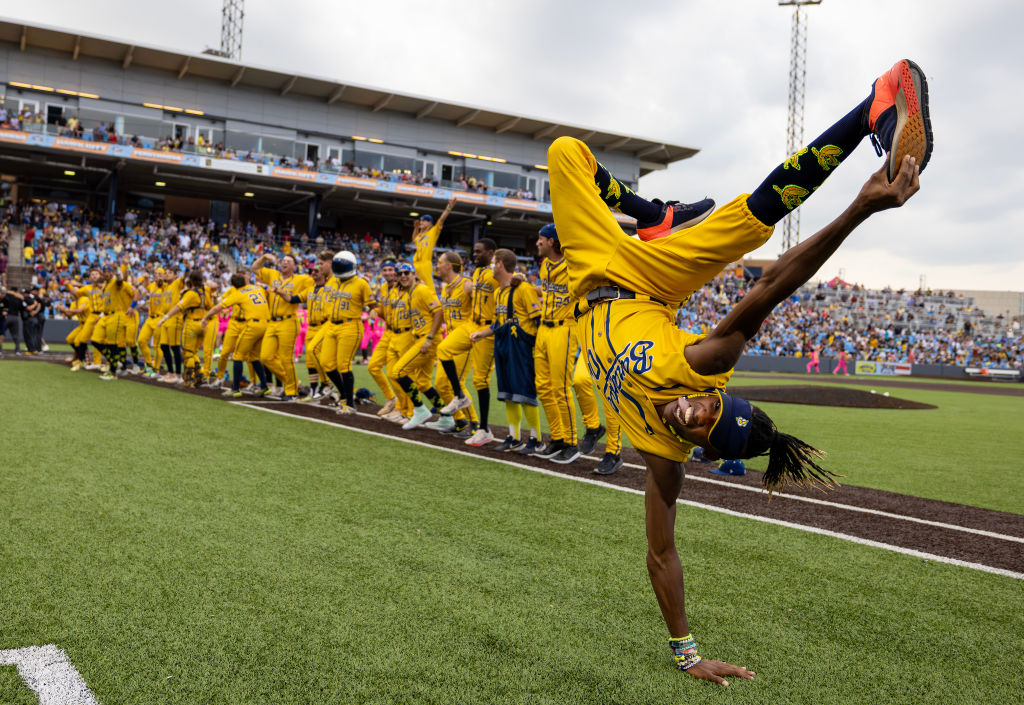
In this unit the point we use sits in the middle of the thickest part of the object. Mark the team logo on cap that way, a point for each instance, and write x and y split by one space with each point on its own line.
742 422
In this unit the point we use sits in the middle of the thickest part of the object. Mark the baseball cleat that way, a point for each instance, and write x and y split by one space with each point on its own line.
551 449
675 216
456 404
609 464
344 409
509 443
107 377
529 448
463 434
442 424
590 439
568 454
898 115
482 437
420 415
389 406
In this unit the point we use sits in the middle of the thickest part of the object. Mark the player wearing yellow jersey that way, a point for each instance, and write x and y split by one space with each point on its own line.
584 388
516 317
209 341
195 302
171 328
457 304
668 385
347 295
94 290
413 351
481 354
379 357
424 236
249 303
81 310
316 318
285 291
235 325
119 295
150 288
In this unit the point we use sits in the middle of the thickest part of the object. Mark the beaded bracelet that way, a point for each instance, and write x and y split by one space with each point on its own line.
684 651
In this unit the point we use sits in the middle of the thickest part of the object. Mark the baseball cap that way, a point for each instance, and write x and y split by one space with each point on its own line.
549 232
731 430
428 218
404 267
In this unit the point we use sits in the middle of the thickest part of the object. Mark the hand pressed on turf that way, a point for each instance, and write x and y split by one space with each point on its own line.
714 670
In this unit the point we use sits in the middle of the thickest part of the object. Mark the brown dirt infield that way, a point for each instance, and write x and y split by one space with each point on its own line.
861 512
814 395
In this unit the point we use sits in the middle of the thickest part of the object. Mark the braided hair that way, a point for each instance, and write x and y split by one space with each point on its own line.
789 458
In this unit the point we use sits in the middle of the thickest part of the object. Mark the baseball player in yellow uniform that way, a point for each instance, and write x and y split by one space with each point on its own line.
347 294
171 329
424 236
150 288
457 304
195 301
481 355
517 315
316 318
235 326
81 310
668 385
285 291
209 341
248 303
378 359
94 290
413 351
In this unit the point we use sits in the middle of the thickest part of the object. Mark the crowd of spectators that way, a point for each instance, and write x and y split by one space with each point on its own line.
28 120
61 244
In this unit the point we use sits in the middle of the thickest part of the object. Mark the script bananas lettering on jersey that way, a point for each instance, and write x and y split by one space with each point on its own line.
560 293
792 195
633 355
452 307
794 160
828 156
341 300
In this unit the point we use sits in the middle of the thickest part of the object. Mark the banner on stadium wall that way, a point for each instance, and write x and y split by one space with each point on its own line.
356 182
80 145
414 190
154 155
13 136
284 172
887 369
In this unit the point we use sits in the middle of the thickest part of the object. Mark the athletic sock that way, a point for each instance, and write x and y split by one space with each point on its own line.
136 356
483 396
338 382
168 358
349 380
176 354
532 414
236 375
435 399
514 413
261 372
405 382
799 176
622 198
453 376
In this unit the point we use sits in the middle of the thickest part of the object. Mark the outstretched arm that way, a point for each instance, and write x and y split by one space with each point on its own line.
721 350
445 213
664 481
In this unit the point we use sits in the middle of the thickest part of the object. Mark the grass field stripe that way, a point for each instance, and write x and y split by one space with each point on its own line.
709 507
47 670
849 507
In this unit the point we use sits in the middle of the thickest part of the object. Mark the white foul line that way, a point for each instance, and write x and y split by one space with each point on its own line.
47 670
730 512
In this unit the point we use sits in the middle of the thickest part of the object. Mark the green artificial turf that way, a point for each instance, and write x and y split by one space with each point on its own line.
183 550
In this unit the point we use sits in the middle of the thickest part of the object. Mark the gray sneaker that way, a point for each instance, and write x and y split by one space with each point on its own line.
567 455
609 464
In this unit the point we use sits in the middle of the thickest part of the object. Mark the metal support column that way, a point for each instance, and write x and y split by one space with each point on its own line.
108 221
313 216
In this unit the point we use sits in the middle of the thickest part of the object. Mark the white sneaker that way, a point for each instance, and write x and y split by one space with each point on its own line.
344 409
387 408
420 414
396 417
442 424
456 404
92 368
480 438
46 348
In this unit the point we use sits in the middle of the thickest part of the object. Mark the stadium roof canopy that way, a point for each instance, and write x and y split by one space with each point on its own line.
651 154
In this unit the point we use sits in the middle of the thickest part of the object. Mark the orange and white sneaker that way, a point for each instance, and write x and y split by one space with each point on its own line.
898 115
675 216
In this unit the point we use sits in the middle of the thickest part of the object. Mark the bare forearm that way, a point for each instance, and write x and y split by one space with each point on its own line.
664 481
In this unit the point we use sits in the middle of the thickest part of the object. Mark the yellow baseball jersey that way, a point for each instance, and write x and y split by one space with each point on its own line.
347 299
155 300
316 306
457 304
397 306
423 302
195 303
556 304
248 303
84 303
484 288
423 258
236 312
520 301
295 285
96 298
120 295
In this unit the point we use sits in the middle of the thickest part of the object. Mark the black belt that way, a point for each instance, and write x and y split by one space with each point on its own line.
252 320
483 322
552 324
346 320
275 319
611 293
402 330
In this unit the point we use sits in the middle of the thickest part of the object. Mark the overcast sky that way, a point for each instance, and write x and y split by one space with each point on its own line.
711 75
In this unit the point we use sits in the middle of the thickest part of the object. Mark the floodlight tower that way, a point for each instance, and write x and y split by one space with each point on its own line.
231 16
231 28
795 117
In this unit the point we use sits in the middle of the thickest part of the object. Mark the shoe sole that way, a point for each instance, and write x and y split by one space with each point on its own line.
566 461
679 228
614 470
913 133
